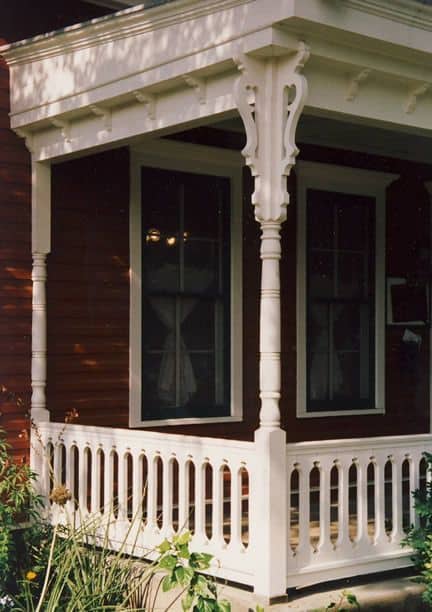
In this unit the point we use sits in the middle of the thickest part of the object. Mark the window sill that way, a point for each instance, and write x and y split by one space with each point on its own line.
184 421
340 413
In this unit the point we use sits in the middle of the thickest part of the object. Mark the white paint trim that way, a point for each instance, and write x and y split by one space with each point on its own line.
353 181
41 246
200 160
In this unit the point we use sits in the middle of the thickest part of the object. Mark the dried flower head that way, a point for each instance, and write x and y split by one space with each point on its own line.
71 415
60 495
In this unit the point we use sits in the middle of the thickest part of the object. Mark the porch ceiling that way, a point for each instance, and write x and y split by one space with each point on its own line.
338 132
155 71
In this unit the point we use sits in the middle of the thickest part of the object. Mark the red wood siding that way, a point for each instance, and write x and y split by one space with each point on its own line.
15 277
88 290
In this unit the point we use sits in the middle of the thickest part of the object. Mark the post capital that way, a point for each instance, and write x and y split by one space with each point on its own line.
270 95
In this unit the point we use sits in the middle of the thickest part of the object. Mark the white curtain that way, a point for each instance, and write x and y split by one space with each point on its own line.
319 363
166 312
167 277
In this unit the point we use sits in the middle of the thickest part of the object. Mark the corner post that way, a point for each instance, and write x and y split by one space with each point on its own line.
41 246
270 96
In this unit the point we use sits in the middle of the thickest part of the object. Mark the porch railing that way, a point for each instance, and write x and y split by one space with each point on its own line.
349 501
149 485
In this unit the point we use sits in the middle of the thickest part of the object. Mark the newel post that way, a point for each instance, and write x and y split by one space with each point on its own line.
41 245
270 95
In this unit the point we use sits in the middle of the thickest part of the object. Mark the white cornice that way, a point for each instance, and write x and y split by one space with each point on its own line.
408 12
130 22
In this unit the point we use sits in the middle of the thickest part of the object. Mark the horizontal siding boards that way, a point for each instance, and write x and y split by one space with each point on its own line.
15 277
88 290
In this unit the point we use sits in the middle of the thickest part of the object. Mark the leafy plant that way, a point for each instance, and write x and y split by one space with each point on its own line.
183 567
18 503
420 537
82 574
345 599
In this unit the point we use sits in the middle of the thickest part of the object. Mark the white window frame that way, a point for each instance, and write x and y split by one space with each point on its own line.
356 181
197 159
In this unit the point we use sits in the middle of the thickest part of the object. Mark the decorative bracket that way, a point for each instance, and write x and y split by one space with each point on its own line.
28 138
149 101
64 126
294 108
411 103
251 76
354 84
198 85
105 113
270 98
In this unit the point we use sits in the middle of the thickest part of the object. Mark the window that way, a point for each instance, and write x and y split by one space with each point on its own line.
341 291
185 362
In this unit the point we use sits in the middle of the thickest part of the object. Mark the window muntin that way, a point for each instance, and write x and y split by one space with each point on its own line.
340 301
185 295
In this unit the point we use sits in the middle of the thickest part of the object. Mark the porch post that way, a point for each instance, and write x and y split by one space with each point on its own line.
270 96
41 245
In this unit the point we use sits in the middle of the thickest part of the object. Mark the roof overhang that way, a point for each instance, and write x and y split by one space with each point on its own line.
154 70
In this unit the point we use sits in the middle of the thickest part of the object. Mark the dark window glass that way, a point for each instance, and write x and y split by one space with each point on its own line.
340 301
186 295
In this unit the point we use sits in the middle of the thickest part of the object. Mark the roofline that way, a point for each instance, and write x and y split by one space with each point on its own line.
151 7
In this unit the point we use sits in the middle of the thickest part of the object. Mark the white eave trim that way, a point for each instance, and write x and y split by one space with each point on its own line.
409 12
132 21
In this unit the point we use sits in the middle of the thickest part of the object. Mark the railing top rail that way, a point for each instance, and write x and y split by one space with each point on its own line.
139 437
359 444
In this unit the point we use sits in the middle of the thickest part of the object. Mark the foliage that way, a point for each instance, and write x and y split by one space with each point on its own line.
347 601
420 537
82 574
183 569
18 502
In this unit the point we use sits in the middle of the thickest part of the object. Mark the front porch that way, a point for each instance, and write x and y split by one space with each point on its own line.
294 352
349 502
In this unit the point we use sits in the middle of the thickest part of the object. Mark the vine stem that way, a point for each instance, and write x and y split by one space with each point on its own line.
48 571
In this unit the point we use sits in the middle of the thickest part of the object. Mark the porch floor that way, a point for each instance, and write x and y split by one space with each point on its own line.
396 592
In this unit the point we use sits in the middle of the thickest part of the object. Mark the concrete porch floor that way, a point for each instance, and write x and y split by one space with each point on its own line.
393 592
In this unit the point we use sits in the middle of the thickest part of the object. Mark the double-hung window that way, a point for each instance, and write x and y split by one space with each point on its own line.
341 296
183 361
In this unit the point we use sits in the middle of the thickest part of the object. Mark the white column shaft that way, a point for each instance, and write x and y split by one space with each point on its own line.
41 244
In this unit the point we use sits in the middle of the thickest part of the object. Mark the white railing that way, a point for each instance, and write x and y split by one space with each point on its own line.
350 503
152 485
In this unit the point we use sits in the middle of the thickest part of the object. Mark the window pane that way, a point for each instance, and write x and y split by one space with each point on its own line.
352 225
198 324
202 211
158 381
159 317
351 275
318 327
320 220
346 379
346 327
200 266
318 373
160 267
321 282
203 366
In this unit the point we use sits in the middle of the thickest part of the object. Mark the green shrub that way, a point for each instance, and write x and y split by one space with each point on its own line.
420 537
18 503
